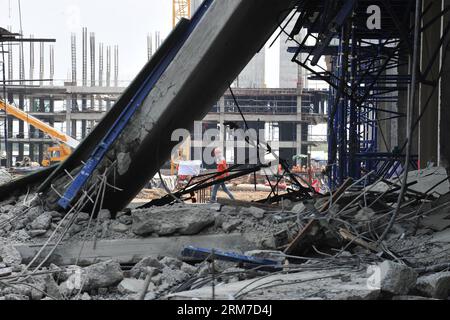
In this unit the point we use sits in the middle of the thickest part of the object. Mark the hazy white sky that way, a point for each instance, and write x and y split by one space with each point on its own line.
125 23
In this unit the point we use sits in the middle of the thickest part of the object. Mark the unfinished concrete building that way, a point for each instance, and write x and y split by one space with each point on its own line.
138 211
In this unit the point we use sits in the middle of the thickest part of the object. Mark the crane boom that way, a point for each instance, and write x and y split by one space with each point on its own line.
38 124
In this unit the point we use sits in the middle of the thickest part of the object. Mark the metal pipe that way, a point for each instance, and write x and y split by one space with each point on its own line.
31 76
116 66
52 63
41 62
73 41
92 50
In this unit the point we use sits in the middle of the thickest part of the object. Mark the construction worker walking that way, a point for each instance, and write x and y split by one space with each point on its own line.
221 167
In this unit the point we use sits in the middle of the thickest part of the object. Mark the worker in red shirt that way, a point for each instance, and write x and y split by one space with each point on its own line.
221 167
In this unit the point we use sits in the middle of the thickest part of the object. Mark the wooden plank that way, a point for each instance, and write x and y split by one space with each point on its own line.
339 192
347 235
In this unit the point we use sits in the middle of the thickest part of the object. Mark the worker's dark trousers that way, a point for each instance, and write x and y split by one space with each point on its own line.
216 189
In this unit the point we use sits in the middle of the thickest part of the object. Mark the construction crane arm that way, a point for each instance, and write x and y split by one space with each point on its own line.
38 124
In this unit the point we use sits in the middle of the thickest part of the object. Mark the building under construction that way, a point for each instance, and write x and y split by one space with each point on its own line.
197 180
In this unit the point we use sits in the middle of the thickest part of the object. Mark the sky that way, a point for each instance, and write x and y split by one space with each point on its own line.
115 22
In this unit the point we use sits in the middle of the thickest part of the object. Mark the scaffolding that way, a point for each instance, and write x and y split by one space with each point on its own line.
369 73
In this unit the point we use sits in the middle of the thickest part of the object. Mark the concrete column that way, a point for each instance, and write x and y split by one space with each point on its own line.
428 130
444 110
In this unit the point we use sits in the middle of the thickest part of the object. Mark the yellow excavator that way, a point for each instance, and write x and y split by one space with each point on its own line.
54 154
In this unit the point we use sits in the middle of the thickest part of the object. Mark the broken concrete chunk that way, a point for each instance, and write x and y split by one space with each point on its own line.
42 222
101 275
51 287
104 215
216 207
149 271
171 276
392 278
5 176
141 266
119 227
82 217
9 255
127 286
365 214
150 296
6 208
127 220
75 229
194 226
85 297
15 297
20 235
437 221
267 254
38 287
256 212
5 272
101 291
231 225
167 229
298 208
167 221
172 263
410 298
187 268
63 275
36 233
435 285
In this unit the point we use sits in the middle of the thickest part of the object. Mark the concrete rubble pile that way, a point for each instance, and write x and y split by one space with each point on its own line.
326 247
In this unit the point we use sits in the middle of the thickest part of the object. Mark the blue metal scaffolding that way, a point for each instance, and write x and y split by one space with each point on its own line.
368 71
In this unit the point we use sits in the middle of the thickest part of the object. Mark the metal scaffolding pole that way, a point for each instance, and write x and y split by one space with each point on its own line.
10 62
31 75
92 50
52 64
41 62
21 64
108 74
108 66
100 64
84 57
73 41
84 79
149 46
116 66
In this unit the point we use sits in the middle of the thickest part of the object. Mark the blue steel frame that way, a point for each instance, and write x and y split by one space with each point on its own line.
359 86
81 179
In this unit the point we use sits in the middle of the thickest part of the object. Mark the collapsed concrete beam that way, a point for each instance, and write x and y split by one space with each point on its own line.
310 284
131 251
227 37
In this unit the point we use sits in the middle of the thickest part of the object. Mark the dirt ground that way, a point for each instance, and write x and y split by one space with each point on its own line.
245 195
